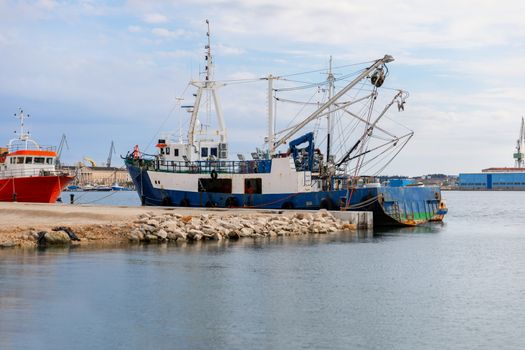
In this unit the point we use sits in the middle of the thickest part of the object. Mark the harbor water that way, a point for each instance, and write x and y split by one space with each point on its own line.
456 285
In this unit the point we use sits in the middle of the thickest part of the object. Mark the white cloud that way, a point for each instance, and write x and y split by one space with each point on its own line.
155 18
134 29
168 34
176 54
229 51
47 4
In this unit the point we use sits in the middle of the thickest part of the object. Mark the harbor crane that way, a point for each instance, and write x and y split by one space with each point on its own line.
111 152
63 142
91 161
519 156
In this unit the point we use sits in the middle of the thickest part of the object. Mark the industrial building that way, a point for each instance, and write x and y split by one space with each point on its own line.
502 179
496 179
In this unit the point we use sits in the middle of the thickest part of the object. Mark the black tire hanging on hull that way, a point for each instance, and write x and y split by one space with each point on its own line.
231 202
326 203
287 205
166 202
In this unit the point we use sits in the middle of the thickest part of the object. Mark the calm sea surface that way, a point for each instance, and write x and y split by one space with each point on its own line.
457 285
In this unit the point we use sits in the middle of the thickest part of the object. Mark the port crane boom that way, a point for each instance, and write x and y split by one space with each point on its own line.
111 152
63 142
519 156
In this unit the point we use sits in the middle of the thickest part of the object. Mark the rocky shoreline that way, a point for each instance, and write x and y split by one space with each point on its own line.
170 226
176 227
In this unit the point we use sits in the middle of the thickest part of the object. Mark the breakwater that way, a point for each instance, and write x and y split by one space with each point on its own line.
31 224
172 226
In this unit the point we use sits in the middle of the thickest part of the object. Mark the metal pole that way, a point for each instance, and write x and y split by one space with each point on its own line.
329 117
271 135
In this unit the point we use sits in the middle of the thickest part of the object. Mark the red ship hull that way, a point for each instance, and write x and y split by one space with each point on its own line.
39 189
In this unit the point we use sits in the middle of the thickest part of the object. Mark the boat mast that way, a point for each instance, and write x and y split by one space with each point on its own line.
208 85
329 117
209 59
23 136
271 131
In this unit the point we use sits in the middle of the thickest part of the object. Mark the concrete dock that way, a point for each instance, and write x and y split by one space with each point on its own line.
21 221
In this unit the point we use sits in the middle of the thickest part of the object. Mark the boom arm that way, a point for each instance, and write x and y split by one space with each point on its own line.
331 101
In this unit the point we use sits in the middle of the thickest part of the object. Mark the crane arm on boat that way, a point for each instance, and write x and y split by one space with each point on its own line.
331 101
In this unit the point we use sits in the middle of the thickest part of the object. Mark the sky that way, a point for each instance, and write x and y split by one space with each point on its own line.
102 71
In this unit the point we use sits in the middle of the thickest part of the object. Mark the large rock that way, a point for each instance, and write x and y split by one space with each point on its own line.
180 234
194 234
161 234
136 235
172 236
148 228
8 244
245 232
151 238
233 234
169 224
55 238
153 222
198 236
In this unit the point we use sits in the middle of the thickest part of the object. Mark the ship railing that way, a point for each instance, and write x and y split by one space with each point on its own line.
6 174
209 167
29 146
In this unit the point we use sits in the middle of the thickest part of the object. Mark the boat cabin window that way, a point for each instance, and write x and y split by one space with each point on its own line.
213 151
19 160
39 160
176 152
167 150
49 160
215 185
204 151
162 151
29 160
252 186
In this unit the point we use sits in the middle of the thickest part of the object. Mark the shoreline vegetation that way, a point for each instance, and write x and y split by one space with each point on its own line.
36 224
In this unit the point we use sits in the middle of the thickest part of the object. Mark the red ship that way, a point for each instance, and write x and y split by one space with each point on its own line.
28 171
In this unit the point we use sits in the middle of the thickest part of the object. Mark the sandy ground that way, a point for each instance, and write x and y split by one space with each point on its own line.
91 223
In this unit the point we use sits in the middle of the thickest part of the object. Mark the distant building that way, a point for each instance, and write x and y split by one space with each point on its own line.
494 179
500 179
106 176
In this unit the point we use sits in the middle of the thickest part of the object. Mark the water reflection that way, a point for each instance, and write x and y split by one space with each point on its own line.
434 286
429 228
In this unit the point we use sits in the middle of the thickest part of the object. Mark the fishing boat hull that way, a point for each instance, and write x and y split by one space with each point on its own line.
38 189
391 206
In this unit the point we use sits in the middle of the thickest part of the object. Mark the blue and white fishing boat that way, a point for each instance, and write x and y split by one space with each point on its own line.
291 171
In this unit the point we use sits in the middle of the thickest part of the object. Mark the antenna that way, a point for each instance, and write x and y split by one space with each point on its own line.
208 57
21 115
179 103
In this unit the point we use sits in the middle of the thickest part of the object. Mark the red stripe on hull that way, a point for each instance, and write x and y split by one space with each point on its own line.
39 189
